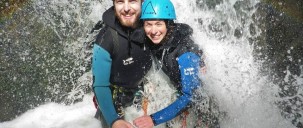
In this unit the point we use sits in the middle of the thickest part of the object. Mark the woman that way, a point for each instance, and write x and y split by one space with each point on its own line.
175 53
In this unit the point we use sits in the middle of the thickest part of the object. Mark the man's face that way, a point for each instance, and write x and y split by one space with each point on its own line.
128 12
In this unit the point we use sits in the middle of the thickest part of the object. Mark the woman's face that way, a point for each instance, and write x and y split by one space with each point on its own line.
155 30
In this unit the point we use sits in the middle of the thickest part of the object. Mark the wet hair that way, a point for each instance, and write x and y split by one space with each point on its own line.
114 1
170 25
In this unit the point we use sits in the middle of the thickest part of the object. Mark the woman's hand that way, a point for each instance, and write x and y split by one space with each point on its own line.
144 122
203 70
122 124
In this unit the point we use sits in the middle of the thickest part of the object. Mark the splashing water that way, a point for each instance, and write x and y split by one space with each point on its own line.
53 115
244 96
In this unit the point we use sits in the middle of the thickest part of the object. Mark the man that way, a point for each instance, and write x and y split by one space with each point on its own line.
119 61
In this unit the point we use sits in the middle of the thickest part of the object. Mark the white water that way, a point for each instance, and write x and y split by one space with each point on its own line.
245 98
53 115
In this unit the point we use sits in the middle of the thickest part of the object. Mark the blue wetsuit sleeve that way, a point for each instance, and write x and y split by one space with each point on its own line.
189 69
101 67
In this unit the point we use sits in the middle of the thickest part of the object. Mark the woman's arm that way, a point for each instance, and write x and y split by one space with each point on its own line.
189 64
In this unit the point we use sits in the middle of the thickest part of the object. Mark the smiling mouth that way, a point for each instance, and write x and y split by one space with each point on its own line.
156 38
127 16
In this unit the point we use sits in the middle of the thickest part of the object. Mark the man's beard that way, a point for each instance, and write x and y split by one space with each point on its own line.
128 23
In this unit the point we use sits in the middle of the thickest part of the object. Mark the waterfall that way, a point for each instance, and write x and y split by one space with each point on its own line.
47 65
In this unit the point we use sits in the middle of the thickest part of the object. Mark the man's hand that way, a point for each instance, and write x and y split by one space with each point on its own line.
144 122
122 124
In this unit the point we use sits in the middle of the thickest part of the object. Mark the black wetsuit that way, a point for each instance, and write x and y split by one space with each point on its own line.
180 59
120 59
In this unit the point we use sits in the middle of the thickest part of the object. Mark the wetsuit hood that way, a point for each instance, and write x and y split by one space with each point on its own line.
180 32
110 19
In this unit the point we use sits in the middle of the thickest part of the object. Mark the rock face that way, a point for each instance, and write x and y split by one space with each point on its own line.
9 7
281 48
37 65
33 58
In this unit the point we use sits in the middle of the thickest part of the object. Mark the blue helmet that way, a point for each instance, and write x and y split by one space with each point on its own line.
158 9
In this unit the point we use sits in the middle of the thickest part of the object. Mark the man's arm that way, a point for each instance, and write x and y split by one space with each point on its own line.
101 67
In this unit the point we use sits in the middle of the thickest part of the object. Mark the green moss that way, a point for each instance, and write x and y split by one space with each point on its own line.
9 7
293 8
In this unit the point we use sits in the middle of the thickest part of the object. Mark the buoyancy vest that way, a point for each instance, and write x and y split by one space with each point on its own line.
129 65
130 59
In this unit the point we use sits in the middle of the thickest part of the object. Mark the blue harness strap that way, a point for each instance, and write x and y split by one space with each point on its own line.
189 65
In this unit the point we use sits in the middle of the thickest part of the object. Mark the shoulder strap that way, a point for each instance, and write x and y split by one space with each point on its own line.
99 30
115 37
92 35
98 26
